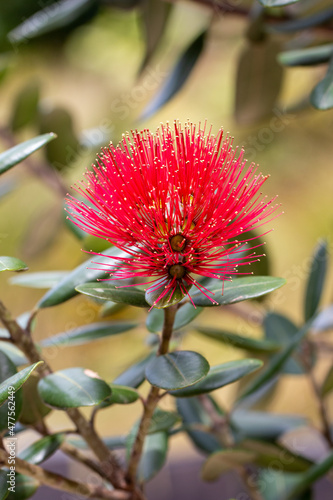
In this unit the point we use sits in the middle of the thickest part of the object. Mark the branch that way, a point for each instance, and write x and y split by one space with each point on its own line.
62 483
152 399
109 462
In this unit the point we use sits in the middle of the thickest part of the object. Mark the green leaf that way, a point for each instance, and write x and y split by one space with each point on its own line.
128 295
176 370
252 452
49 19
42 449
264 425
10 411
279 484
26 106
258 82
193 412
322 95
327 385
277 3
162 421
177 76
153 456
238 290
135 375
154 18
72 388
4 485
12 264
64 151
16 381
316 278
65 289
15 155
246 343
276 363
88 333
307 57
280 329
13 353
25 487
155 320
121 395
219 376
109 308
47 279
33 409
225 460
169 299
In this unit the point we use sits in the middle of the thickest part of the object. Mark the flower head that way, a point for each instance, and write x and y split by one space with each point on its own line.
178 201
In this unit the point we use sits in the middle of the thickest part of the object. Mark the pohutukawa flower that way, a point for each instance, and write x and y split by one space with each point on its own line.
178 201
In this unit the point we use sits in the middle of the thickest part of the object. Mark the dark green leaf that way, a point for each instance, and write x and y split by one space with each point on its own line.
246 343
88 333
12 264
327 386
177 77
279 484
155 320
13 353
62 153
93 244
308 56
277 362
277 3
109 308
322 95
264 425
72 388
155 16
33 409
3 484
162 421
258 83
16 381
280 329
42 449
121 395
238 290
25 106
25 487
18 153
65 289
153 456
134 376
128 295
219 376
192 413
49 19
171 298
47 279
176 370
9 412
317 274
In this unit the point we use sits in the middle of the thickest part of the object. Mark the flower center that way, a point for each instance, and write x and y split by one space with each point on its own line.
177 271
178 242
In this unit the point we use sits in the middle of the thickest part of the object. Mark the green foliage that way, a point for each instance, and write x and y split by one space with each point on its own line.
316 280
73 388
12 264
16 381
42 449
18 153
176 370
131 296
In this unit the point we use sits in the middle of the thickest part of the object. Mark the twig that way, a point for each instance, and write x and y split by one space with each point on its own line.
152 399
109 462
62 483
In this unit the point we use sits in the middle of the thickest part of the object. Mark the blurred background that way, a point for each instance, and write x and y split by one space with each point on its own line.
90 71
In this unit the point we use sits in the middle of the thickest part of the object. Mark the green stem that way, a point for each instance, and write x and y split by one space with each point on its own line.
152 399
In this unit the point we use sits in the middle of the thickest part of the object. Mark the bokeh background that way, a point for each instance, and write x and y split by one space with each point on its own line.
86 80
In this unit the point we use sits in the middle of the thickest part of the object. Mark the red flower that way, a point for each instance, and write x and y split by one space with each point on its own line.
178 202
